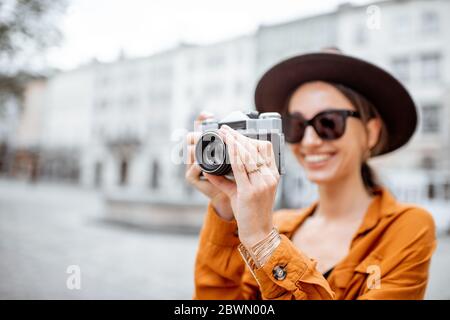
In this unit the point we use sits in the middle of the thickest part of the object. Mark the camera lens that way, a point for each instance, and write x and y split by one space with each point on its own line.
211 154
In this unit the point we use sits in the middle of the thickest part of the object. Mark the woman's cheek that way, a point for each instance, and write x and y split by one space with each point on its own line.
350 160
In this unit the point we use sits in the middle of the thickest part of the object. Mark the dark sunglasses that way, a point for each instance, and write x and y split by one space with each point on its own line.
328 124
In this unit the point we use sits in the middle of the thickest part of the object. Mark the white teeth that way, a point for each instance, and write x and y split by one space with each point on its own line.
313 158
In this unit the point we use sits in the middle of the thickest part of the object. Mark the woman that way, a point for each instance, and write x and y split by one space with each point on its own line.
356 241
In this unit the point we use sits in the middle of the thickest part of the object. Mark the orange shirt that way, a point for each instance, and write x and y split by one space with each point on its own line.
389 258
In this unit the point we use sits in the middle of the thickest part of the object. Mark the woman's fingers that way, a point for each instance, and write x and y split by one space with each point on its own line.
238 167
204 115
193 173
253 167
265 149
192 137
258 155
190 157
193 177
223 184
248 150
201 117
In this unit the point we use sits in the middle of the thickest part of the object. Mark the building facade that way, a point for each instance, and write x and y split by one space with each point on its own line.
118 126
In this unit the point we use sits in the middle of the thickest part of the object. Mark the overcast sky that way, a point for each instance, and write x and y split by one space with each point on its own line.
101 28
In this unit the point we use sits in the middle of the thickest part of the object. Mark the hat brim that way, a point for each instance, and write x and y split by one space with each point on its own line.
387 94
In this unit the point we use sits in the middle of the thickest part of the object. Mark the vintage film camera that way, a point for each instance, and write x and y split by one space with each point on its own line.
211 151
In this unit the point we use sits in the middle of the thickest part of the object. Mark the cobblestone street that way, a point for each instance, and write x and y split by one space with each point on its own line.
45 228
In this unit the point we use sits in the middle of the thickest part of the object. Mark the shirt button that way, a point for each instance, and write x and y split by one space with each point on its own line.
279 273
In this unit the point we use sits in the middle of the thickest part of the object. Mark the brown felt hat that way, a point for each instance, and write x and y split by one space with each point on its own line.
387 94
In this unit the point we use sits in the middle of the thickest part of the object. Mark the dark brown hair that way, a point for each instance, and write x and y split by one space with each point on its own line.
367 111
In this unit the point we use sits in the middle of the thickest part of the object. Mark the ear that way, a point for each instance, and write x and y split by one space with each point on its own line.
373 127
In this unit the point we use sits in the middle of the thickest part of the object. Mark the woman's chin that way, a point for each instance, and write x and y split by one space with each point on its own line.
320 176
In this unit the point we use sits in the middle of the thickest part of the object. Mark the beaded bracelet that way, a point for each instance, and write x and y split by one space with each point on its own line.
259 254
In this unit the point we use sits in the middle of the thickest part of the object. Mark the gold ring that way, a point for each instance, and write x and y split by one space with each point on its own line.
253 171
260 163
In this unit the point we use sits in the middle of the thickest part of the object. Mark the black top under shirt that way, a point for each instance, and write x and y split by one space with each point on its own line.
326 274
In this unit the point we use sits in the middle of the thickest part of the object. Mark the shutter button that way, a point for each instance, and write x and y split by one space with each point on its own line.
279 273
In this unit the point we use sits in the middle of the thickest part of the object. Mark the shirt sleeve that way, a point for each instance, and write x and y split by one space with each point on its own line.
291 275
221 273
219 268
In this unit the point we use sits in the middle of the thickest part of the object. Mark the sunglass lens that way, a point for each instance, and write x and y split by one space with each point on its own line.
293 128
329 125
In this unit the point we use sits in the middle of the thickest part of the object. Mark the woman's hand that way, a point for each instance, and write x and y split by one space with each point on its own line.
252 194
219 200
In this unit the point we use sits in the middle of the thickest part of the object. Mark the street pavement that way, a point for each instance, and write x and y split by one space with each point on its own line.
46 228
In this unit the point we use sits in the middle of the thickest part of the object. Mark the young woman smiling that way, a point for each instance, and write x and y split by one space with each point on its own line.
356 241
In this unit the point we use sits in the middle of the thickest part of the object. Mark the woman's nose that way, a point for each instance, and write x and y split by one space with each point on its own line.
310 137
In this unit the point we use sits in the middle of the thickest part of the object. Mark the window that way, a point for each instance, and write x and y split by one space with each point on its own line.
428 163
215 60
400 67
430 67
447 190
431 192
430 22
402 27
431 119
98 174
154 180
123 172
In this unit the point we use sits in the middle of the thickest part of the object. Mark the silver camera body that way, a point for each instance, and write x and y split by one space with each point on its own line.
211 152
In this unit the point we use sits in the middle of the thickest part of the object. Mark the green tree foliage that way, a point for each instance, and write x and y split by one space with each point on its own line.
27 28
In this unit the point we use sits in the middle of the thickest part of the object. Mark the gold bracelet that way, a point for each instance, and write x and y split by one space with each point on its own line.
259 254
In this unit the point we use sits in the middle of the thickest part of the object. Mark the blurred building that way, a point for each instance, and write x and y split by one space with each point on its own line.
9 120
117 126
413 41
131 100
27 143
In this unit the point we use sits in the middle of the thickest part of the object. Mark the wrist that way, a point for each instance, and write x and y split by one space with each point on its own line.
250 237
222 206
258 254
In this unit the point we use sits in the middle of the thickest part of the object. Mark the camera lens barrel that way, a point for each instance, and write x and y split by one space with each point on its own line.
211 154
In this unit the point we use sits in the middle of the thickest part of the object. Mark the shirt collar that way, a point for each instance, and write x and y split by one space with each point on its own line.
382 205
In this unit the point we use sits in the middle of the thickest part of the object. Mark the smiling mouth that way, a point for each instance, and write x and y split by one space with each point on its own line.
317 158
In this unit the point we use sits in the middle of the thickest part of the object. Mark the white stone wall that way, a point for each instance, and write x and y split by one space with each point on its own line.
67 114
30 127
281 41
